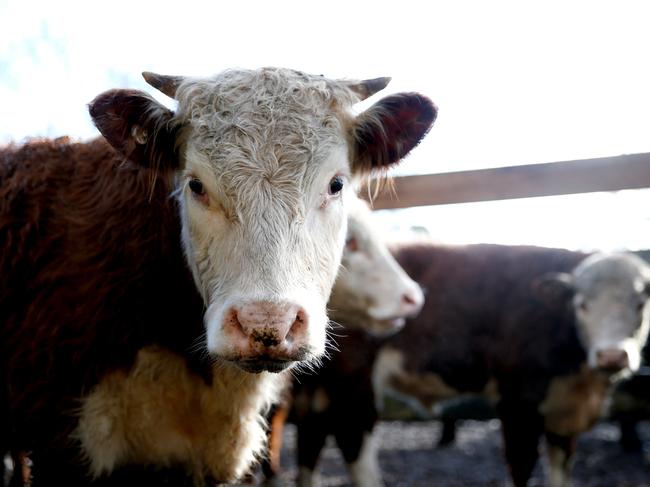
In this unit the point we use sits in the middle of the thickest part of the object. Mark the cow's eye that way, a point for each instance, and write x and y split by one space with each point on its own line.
197 187
336 185
580 303
351 245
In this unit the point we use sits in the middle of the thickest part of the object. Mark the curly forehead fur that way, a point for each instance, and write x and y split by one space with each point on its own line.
602 271
263 130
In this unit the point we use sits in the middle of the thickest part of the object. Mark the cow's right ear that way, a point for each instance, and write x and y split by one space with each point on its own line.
137 126
554 288
389 130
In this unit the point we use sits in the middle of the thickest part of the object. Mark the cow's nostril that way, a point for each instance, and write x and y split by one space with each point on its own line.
408 299
299 325
233 323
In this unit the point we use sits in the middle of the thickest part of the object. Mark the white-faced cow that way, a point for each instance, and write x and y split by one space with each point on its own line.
208 237
541 332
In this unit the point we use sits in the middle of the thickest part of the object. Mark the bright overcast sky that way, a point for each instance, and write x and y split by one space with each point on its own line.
516 82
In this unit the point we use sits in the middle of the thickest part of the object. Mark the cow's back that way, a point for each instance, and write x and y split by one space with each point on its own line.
482 319
91 269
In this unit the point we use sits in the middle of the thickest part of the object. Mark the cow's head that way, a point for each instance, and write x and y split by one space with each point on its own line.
609 296
263 161
371 291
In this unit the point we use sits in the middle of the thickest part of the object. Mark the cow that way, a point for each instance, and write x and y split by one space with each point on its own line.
208 237
542 333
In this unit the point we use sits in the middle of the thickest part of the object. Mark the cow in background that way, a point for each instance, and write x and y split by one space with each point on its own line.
541 332
208 239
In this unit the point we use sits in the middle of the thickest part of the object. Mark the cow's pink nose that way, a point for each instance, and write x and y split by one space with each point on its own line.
271 324
612 359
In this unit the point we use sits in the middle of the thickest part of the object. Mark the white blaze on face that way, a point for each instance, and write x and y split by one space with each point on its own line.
372 291
281 248
611 306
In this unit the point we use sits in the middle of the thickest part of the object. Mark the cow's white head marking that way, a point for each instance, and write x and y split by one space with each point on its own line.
609 296
262 161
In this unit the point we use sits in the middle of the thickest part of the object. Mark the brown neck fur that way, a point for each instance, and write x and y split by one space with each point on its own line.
91 270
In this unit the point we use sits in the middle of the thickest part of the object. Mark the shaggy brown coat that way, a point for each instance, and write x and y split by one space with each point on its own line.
91 271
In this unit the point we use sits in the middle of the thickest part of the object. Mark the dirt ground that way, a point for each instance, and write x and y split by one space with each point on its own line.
408 458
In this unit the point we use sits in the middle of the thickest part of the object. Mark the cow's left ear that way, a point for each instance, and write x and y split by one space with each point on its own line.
389 130
554 288
137 126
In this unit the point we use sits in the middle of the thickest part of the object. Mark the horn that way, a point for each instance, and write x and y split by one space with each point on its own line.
163 83
369 87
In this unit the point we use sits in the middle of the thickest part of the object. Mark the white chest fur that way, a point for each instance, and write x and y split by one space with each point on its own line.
161 413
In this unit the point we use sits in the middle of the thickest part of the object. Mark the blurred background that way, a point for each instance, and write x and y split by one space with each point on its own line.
516 83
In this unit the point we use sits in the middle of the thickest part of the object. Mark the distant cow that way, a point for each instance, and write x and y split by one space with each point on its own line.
544 347
208 238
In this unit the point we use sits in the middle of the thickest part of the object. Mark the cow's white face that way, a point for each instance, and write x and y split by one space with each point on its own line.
611 308
263 161
372 291
264 246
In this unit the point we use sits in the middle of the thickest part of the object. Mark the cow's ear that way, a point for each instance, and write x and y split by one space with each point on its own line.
137 126
389 130
554 288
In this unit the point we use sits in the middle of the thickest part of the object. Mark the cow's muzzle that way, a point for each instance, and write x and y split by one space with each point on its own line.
612 359
266 336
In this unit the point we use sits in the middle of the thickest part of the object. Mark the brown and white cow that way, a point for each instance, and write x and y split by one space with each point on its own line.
209 237
544 347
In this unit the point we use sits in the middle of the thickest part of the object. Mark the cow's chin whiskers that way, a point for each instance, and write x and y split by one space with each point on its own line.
330 339
310 364
307 367
330 332
199 348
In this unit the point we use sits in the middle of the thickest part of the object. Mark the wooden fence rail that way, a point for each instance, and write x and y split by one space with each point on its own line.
630 171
